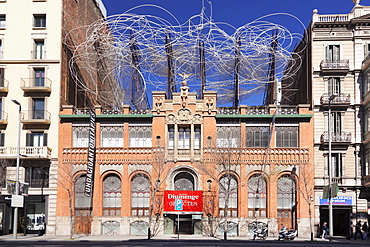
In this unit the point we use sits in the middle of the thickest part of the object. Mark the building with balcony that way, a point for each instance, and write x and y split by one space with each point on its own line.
243 166
333 49
34 71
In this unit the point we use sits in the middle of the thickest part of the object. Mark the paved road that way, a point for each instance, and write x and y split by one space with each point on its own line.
174 243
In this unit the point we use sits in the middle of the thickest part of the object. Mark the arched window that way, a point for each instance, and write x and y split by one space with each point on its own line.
82 207
184 181
112 195
286 198
257 195
140 195
228 196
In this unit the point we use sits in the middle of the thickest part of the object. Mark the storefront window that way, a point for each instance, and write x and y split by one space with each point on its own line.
36 216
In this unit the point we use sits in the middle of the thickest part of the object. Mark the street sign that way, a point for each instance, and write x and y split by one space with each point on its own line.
17 201
178 204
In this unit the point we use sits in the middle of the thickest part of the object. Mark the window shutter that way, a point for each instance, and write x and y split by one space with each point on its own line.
45 139
2 139
29 139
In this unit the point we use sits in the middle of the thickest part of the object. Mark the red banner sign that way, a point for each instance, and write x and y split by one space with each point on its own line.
192 201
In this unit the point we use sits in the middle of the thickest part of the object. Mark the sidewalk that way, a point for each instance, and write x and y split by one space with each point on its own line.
31 237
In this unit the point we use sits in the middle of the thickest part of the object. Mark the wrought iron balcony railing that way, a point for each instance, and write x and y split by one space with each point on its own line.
342 64
343 98
336 137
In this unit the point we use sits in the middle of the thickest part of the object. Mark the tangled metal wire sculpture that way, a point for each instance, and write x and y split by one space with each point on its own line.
147 53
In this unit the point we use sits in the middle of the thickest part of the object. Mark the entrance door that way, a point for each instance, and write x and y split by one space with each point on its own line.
82 221
185 227
341 219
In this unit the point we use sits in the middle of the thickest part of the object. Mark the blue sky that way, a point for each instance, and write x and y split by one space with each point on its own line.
238 13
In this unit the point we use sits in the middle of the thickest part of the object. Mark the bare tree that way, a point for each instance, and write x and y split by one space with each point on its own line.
222 165
305 180
3 166
142 181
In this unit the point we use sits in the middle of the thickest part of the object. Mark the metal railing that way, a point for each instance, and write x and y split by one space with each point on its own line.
342 98
228 110
337 137
334 64
41 82
36 115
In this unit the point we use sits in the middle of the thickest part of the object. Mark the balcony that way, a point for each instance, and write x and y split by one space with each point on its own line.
31 85
36 117
342 100
184 155
3 117
334 66
339 140
4 85
29 152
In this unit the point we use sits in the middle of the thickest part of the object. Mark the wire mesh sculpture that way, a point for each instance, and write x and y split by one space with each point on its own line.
147 53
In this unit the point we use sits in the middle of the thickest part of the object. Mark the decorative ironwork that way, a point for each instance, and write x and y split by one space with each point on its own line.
110 227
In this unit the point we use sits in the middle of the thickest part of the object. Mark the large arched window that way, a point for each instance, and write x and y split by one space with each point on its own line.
112 195
184 181
228 196
82 207
140 195
286 198
257 195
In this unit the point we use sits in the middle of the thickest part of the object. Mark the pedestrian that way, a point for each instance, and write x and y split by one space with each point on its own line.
358 230
365 229
325 230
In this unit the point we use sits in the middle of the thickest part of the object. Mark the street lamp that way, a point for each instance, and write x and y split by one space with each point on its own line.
330 170
15 225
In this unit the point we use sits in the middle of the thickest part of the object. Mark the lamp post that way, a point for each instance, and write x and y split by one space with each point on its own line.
330 170
15 223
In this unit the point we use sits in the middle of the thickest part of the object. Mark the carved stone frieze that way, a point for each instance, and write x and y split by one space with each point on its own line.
184 116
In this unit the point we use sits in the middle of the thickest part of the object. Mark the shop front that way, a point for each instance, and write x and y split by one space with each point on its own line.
183 211
342 211
31 218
